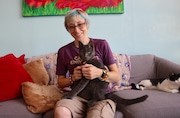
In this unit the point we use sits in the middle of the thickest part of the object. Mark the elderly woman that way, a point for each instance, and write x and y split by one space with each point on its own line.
77 24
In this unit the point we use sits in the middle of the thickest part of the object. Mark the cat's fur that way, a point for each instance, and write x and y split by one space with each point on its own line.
94 90
170 84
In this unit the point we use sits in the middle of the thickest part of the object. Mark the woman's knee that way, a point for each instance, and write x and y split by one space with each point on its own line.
62 112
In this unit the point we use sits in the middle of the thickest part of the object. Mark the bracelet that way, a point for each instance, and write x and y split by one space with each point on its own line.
71 80
104 75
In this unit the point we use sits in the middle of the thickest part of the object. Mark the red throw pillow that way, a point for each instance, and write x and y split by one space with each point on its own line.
12 74
22 59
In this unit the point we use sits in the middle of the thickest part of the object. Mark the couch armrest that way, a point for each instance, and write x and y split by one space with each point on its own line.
165 67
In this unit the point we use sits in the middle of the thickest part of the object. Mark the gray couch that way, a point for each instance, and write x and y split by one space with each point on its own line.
158 105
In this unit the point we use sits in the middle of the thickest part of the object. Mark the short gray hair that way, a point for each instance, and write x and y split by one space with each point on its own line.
72 13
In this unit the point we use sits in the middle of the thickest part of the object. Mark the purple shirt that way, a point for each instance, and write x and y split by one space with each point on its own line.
68 56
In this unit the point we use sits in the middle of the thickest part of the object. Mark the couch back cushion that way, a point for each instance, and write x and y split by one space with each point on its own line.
142 67
49 61
124 66
37 71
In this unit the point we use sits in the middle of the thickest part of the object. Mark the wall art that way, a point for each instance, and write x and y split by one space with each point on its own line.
61 7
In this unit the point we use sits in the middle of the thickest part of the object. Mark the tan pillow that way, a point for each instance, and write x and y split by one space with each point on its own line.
40 98
37 72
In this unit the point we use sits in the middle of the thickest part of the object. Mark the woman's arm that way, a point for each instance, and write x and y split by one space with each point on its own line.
113 74
64 81
92 72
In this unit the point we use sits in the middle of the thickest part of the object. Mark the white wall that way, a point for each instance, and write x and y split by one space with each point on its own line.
147 26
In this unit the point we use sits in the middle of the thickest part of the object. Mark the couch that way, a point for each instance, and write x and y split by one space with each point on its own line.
159 104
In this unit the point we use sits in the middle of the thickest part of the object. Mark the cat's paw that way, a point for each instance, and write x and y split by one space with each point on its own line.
174 91
141 88
135 86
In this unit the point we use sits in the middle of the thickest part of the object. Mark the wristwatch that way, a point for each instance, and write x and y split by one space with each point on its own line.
104 75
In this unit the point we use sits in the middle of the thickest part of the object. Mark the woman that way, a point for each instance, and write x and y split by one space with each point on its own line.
77 24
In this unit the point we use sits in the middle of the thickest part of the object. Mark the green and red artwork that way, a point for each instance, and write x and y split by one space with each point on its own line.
60 7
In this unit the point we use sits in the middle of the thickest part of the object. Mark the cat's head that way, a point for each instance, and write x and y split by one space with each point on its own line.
175 77
86 52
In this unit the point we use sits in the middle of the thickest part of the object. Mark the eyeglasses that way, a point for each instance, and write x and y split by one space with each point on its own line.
80 26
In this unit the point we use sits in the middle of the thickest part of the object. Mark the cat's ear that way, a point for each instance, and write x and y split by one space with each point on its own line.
91 43
172 74
175 77
93 47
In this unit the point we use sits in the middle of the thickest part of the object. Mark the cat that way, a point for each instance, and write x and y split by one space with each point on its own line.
170 84
94 90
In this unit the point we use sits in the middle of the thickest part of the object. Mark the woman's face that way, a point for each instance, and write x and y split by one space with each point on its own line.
78 28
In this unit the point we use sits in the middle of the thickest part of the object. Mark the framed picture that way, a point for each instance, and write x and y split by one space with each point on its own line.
61 7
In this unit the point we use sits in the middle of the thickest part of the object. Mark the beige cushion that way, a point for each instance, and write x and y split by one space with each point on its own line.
49 60
37 72
40 98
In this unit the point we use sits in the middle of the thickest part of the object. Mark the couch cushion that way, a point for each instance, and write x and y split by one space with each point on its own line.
40 98
12 74
142 67
37 72
16 108
159 104
49 63
124 67
22 59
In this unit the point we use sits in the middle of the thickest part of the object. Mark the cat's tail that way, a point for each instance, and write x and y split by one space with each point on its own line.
124 101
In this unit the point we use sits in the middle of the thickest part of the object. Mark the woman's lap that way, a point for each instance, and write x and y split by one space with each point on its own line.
78 108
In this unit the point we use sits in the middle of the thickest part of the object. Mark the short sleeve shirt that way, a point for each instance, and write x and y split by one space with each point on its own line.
68 56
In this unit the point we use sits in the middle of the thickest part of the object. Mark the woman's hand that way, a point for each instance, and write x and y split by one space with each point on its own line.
77 74
90 71
64 82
